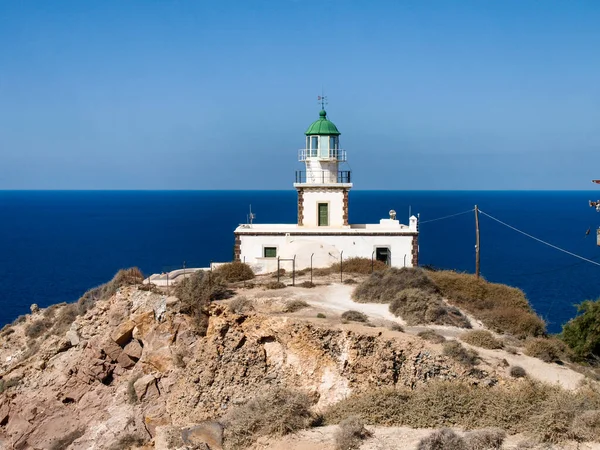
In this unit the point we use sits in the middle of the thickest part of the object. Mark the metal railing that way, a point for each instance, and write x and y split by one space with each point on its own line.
336 154
323 177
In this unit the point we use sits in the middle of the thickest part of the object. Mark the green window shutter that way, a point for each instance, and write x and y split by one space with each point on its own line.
323 214
270 252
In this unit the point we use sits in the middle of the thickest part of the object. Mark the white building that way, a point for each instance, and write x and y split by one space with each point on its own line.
323 233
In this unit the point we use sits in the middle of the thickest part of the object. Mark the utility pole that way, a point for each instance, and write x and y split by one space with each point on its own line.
476 241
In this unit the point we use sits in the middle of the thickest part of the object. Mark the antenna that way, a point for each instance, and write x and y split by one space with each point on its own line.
322 100
251 216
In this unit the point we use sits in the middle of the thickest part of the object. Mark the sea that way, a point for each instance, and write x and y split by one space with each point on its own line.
55 245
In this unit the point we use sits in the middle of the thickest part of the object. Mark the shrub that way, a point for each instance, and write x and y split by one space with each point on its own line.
481 338
321 316
487 439
295 305
349 281
195 293
275 285
354 316
431 336
350 433
278 273
65 317
67 440
124 277
582 334
586 426
37 328
131 394
382 286
501 308
460 354
19 320
234 271
418 307
444 439
128 441
547 349
517 372
358 265
276 412
307 284
10 382
396 327
241 305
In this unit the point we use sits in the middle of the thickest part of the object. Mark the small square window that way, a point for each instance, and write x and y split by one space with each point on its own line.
270 252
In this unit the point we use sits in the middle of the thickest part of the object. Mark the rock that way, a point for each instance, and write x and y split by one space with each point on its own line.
144 324
123 333
160 309
209 433
34 308
73 336
145 388
167 438
125 361
111 349
156 417
134 349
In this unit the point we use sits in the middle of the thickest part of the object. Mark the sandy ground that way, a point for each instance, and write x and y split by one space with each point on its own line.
334 298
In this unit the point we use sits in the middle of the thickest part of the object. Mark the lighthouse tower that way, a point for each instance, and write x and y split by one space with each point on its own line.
322 187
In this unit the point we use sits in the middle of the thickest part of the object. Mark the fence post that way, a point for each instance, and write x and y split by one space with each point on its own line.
342 266
311 257
278 269
372 260
294 271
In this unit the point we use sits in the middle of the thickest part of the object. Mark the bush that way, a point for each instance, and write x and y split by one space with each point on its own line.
349 281
460 354
321 316
354 316
359 265
278 273
65 317
37 328
382 286
487 439
582 334
396 327
481 338
501 308
307 284
547 349
444 439
124 277
235 271
131 394
128 441
195 293
276 412
295 305
431 336
517 372
241 305
419 307
586 426
275 285
350 434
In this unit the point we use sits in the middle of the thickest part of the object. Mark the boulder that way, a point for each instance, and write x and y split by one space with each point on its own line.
144 323
123 333
134 349
34 308
145 388
209 434
73 336
125 361
111 349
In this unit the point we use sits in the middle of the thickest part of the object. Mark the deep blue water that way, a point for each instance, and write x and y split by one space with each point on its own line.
54 245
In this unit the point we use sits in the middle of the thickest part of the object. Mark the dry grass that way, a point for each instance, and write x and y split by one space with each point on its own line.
354 316
241 305
431 336
358 265
234 271
418 307
586 426
526 406
195 294
396 327
547 349
295 305
275 285
382 286
321 316
128 441
350 434
486 439
124 277
277 412
501 308
37 328
481 338
460 354
307 284
444 439
517 372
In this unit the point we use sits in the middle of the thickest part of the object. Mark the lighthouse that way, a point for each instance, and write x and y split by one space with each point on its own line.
322 187
323 234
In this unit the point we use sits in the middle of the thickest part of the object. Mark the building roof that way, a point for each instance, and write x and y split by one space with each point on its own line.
322 126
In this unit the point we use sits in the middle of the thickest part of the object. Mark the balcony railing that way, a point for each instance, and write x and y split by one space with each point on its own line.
337 154
323 177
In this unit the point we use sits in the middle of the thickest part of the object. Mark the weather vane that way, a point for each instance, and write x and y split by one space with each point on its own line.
322 100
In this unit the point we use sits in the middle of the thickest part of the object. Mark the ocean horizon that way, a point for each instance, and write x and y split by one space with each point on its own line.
54 245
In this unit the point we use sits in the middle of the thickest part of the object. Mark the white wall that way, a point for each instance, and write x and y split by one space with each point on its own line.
312 198
326 250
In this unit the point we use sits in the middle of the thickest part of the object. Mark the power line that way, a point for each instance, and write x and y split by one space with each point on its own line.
540 240
446 217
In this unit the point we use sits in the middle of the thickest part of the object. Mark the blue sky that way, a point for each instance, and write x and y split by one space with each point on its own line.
496 94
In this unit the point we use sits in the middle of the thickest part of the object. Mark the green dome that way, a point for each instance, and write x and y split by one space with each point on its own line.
322 126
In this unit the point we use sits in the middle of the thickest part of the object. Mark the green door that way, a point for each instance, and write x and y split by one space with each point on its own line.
323 214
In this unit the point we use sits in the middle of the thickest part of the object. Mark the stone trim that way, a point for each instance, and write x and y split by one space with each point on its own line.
415 250
345 216
333 233
300 207
237 248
